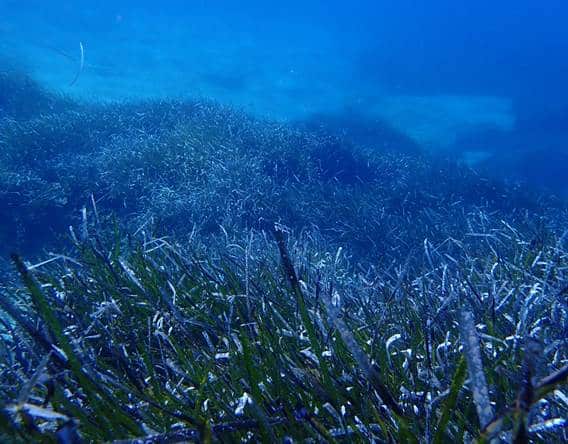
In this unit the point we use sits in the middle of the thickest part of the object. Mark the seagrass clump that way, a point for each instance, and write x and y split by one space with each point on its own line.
269 337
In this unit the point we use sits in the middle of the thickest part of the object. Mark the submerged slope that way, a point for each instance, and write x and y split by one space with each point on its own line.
198 166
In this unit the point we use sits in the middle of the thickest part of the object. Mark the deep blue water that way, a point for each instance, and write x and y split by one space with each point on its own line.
483 80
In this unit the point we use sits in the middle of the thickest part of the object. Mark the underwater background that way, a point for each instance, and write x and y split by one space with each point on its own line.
297 221
481 80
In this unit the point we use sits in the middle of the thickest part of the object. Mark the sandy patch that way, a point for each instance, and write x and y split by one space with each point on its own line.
437 121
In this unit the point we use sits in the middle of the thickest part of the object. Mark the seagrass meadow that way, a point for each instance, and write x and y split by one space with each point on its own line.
179 271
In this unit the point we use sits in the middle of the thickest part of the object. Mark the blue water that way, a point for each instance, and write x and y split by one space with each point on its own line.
484 81
411 154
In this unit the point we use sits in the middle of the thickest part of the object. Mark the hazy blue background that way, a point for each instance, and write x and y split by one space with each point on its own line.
485 80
